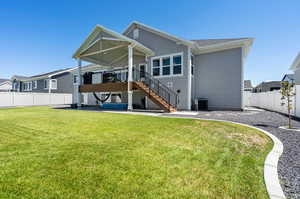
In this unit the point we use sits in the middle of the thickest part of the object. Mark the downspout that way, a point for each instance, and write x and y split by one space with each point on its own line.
78 95
189 79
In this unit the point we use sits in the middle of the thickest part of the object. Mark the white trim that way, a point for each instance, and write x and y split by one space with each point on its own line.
35 84
112 39
53 80
102 51
160 57
189 78
130 70
78 94
98 29
242 78
224 46
296 63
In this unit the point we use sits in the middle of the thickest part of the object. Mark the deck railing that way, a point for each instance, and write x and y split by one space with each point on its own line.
121 75
156 86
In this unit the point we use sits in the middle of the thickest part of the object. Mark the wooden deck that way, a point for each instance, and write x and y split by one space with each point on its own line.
123 87
105 87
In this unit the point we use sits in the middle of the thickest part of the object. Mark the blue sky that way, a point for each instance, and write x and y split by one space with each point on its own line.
40 36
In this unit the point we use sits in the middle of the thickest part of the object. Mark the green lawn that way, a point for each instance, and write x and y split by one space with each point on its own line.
47 153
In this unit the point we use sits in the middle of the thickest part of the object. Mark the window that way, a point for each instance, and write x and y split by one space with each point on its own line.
167 65
135 33
34 84
177 66
142 70
46 83
29 86
53 84
15 86
156 67
193 64
75 79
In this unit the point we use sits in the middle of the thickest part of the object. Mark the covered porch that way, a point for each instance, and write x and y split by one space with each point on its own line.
117 55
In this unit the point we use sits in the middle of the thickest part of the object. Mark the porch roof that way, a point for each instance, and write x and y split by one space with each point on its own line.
106 47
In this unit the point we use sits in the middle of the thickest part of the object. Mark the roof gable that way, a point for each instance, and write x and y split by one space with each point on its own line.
135 24
296 63
94 37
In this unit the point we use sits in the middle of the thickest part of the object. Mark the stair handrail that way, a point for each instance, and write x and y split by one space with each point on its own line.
154 84
162 90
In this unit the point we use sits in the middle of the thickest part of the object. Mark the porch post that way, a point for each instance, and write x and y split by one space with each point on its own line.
78 95
49 85
130 65
189 77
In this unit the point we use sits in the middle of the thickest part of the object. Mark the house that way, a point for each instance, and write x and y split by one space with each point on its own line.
59 81
295 67
288 78
248 85
5 85
267 86
146 67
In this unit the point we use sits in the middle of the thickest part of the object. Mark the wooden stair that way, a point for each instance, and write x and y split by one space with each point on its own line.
154 96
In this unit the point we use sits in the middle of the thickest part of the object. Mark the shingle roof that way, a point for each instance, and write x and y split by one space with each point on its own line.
269 84
208 42
3 80
49 73
288 76
247 84
19 77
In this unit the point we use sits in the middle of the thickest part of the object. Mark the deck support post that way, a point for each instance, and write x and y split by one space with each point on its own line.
130 71
78 95
189 78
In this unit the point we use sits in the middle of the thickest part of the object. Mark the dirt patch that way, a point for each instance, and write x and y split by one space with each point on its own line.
249 140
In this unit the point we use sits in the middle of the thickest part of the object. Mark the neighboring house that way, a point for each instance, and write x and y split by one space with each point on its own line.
5 85
295 67
59 81
149 68
267 86
248 85
288 78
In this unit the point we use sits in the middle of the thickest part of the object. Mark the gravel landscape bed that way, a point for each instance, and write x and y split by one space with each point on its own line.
289 162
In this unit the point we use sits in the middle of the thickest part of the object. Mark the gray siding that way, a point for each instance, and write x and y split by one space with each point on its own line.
297 76
164 46
218 77
64 84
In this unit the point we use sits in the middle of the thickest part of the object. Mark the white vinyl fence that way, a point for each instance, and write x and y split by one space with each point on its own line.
33 99
272 101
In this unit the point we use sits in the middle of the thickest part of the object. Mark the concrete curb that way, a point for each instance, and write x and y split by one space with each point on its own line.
270 166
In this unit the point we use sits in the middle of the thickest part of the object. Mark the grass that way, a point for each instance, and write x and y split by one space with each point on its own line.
47 153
